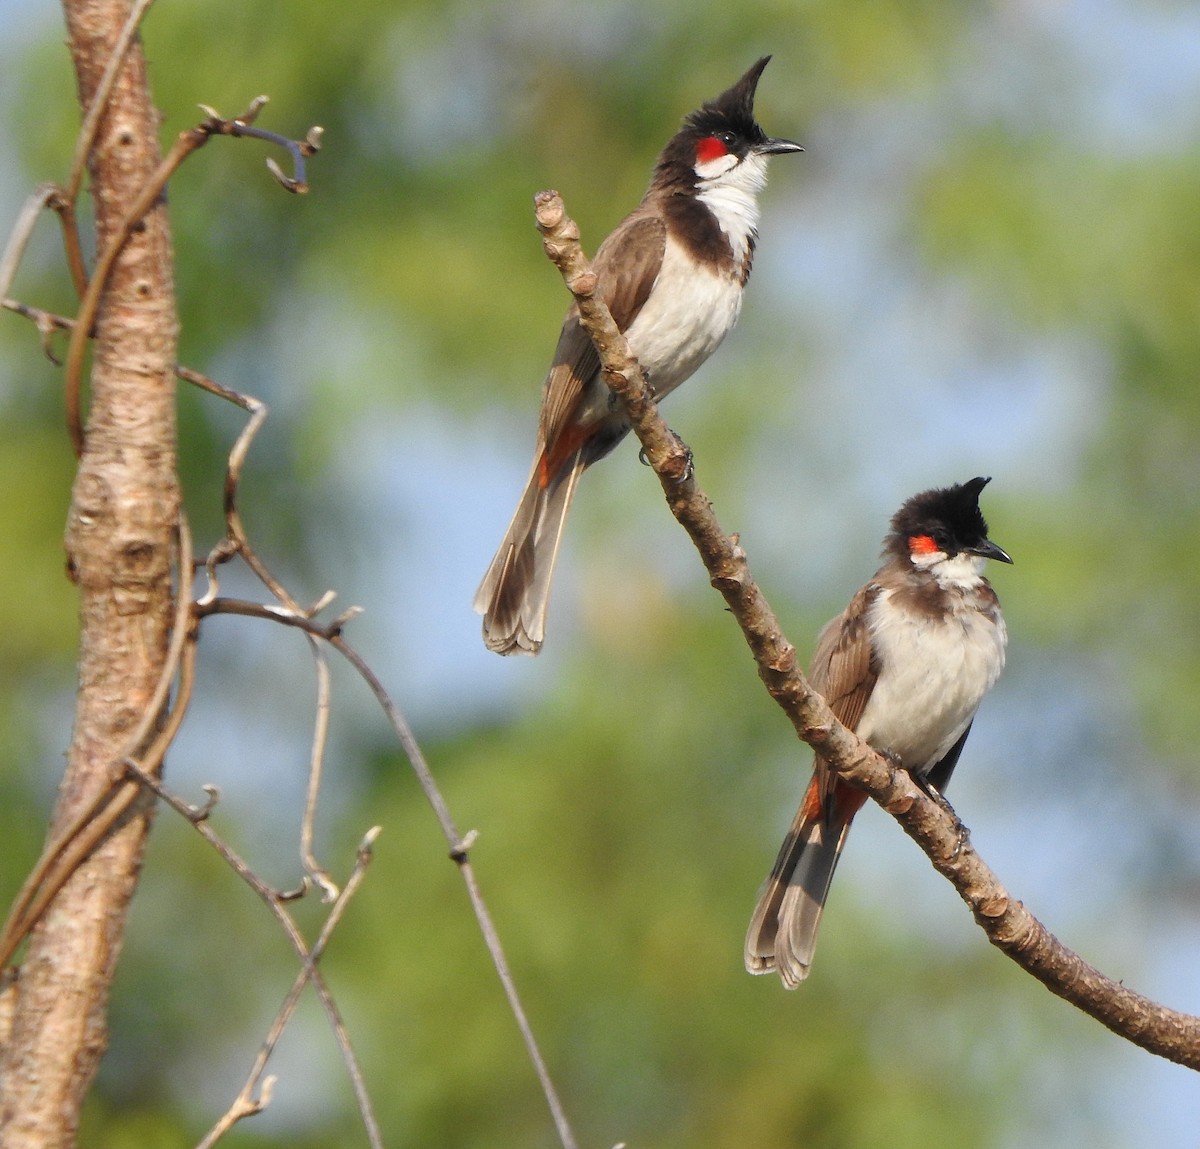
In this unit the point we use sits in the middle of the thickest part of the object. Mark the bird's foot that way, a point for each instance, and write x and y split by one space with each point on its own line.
680 463
931 791
934 794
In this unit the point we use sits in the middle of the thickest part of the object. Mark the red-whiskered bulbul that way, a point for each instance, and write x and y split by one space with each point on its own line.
905 665
672 274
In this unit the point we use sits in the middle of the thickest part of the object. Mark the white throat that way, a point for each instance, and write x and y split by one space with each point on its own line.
731 194
963 570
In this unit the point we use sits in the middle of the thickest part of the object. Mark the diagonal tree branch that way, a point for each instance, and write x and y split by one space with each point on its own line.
1007 923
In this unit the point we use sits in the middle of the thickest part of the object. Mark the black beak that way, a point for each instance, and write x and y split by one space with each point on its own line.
988 550
776 147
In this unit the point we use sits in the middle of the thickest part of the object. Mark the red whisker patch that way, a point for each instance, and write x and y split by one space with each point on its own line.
922 545
709 149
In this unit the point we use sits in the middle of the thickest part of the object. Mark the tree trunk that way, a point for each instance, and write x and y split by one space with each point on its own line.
119 542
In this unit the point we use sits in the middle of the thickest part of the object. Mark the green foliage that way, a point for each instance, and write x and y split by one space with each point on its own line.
1110 247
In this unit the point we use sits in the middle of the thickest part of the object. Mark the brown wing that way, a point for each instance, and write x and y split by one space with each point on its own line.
628 263
575 363
626 266
844 670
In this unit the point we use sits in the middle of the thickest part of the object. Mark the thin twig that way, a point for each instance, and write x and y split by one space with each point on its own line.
1007 923
459 847
238 541
289 613
300 150
316 760
22 230
353 1070
247 1104
46 322
459 844
255 1093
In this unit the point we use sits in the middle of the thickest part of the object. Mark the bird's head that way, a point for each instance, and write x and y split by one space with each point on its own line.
944 532
722 144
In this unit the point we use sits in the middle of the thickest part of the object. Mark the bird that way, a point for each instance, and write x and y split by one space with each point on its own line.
672 274
905 665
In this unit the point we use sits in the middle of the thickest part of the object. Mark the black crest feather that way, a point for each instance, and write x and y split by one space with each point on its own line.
732 110
949 514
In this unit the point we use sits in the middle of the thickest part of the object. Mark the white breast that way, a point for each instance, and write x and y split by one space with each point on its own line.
689 311
933 675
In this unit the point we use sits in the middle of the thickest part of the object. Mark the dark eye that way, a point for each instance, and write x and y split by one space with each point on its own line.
727 138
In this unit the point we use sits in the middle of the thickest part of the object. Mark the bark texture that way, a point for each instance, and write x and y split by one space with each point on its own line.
120 538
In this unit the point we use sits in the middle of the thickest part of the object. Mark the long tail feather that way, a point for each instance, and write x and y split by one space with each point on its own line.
515 592
783 929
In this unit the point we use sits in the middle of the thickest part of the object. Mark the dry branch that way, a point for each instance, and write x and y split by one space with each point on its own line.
459 844
255 1095
1007 923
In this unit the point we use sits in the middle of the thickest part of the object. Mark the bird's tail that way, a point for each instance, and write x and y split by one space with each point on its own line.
516 589
783 930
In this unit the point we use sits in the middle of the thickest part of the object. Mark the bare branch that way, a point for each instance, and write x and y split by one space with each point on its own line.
256 1093
459 844
237 542
288 613
458 853
300 150
122 545
1007 923
46 322
18 238
246 1104
312 867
